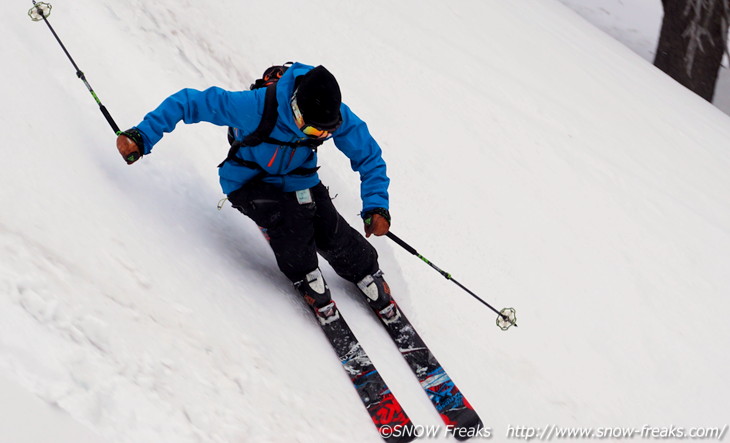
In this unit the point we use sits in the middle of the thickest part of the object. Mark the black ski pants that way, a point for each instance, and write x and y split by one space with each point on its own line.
298 230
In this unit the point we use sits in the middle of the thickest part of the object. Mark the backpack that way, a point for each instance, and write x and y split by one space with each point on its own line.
262 134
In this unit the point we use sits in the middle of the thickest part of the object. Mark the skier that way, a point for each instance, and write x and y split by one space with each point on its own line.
275 183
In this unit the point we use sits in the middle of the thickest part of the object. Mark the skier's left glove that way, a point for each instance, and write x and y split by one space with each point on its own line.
131 145
377 221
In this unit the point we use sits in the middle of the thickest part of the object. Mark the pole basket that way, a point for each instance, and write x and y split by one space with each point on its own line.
39 11
506 318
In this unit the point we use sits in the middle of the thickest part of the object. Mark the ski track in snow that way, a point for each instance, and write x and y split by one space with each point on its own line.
140 371
90 373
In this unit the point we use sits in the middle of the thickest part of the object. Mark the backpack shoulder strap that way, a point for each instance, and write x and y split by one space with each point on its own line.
268 119
262 133
270 116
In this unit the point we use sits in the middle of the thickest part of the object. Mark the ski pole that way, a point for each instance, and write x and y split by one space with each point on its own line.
506 318
39 12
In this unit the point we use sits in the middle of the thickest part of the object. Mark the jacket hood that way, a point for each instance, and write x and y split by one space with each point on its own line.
284 91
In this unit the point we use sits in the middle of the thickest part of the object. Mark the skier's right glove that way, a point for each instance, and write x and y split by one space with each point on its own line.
131 145
377 221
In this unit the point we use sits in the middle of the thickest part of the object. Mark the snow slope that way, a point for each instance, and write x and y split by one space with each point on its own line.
637 24
542 163
27 419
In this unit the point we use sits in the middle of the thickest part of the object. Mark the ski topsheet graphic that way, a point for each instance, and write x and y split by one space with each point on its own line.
387 414
459 416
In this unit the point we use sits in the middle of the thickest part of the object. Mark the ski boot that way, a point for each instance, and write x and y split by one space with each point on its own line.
317 295
377 293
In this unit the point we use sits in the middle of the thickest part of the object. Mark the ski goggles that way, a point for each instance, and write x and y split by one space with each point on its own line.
308 129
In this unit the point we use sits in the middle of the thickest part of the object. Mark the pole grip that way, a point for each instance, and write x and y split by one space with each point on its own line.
109 119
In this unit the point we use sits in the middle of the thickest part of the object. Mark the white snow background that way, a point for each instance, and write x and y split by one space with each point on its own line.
545 165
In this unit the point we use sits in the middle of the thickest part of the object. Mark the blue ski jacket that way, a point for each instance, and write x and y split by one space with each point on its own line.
243 110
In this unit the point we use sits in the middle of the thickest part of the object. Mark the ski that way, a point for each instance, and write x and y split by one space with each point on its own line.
390 419
454 409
